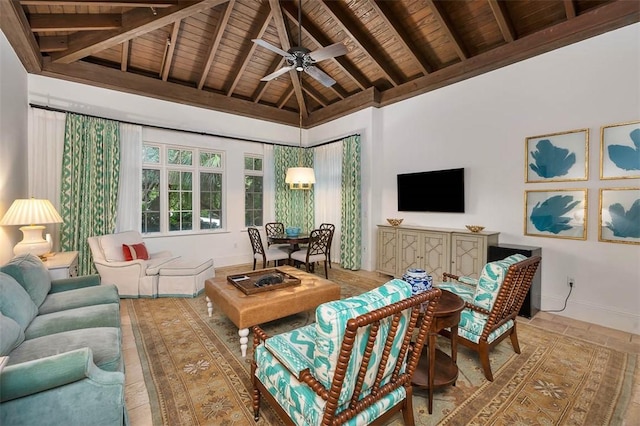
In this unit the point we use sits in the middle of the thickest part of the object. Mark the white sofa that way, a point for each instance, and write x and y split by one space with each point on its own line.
134 278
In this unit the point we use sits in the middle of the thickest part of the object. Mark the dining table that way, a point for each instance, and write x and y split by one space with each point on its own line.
293 241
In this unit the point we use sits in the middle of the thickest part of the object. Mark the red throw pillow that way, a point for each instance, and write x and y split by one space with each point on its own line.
135 251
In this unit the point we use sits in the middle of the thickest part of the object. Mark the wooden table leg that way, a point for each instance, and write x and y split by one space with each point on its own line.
454 344
432 367
243 333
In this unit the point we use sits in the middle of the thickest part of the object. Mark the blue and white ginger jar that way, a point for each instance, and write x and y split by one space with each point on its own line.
419 279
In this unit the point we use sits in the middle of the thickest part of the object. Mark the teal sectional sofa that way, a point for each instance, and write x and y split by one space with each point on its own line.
64 347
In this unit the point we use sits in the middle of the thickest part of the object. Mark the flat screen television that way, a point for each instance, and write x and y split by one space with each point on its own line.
434 191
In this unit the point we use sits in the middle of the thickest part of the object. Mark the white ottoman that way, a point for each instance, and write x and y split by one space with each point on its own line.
184 278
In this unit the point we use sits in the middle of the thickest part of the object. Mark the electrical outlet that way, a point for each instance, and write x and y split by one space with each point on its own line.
570 282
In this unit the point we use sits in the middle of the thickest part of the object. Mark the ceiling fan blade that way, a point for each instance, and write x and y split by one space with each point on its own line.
337 49
271 47
320 75
277 73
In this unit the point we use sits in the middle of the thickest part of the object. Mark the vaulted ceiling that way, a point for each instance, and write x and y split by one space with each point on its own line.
201 52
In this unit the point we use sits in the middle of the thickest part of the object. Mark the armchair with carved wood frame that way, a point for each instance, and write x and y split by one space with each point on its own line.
492 303
353 366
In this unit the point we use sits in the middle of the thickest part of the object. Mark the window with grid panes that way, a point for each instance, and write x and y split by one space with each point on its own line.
181 189
253 191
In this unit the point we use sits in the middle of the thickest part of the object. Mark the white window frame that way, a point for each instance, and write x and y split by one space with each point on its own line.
195 169
253 173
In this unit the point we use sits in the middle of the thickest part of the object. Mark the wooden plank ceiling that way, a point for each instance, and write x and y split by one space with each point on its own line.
200 52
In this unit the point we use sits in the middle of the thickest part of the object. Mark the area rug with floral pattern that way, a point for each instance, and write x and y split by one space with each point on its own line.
195 374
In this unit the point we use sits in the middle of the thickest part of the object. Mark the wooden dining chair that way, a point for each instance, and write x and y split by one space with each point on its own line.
274 229
332 228
271 254
316 250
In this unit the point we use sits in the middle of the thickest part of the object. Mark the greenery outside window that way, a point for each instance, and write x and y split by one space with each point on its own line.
181 189
253 190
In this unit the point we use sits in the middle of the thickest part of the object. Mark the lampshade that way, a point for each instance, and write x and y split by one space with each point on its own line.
33 213
300 177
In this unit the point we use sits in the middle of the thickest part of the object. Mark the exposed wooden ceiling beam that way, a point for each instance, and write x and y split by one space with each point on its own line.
277 63
110 78
215 41
15 26
315 95
503 20
447 27
247 53
570 9
134 23
316 35
382 9
285 97
53 43
278 21
357 36
119 3
166 66
78 22
124 61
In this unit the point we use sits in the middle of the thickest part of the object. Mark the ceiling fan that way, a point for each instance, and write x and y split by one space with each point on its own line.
302 59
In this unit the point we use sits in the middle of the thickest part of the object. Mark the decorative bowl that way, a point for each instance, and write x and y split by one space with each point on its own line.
394 222
474 228
293 231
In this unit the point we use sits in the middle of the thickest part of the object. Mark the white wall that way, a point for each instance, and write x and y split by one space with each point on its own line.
481 124
13 141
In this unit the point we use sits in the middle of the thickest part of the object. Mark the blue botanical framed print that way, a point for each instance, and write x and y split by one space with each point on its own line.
620 151
559 213
557 157
619 220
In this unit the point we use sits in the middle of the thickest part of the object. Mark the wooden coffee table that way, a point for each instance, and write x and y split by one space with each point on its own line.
246 311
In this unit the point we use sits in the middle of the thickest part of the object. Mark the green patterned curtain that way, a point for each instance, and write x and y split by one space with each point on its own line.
294 207
351 238
90 170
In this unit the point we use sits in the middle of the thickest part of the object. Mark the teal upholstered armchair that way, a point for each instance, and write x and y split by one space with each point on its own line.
492 304
353 365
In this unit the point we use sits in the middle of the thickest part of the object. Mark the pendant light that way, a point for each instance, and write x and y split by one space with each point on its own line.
300 177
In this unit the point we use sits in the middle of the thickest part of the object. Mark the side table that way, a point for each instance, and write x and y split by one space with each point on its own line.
435 368
63 264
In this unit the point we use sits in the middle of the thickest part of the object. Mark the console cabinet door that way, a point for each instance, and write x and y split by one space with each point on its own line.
387 251
435 253
409 251
469 253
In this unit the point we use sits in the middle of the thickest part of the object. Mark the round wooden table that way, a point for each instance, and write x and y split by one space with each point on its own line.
435 368
294 242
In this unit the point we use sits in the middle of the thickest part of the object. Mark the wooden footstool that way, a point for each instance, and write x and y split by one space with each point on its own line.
248 310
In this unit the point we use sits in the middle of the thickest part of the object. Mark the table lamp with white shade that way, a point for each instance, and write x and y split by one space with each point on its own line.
33 214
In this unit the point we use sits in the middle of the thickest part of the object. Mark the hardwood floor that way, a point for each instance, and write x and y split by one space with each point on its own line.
137 399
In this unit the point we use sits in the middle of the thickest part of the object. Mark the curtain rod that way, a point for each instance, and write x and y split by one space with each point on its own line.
195 132
335 140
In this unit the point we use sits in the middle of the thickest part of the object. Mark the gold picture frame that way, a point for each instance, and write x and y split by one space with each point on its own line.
557 157
556 213
620 151
616 215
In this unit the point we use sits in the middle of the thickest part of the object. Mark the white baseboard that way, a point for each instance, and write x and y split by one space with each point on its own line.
605 316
